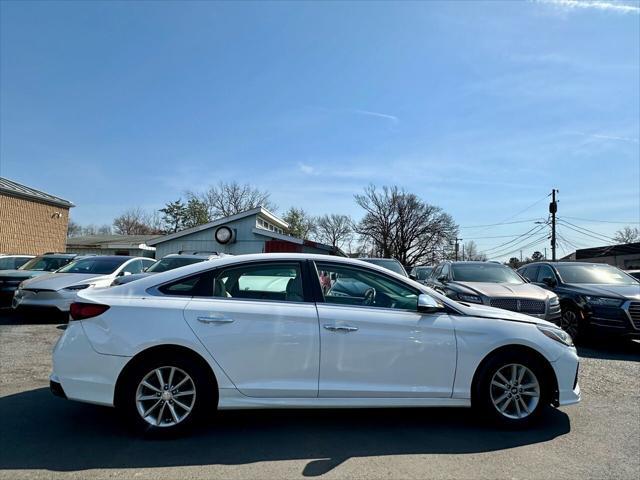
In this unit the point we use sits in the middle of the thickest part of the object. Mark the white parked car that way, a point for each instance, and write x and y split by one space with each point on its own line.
58 290
256 331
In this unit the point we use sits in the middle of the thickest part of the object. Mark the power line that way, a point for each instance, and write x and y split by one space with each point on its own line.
522 247
566 224
601 221
528 234
600 238
502 223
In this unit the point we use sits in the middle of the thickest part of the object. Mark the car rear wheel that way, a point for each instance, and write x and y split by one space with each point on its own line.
511 389
166 394
570 322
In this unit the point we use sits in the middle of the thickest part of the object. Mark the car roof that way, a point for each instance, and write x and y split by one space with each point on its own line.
366 259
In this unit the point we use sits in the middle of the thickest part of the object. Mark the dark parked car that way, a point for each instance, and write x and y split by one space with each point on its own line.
420 274
594 297
12 262
495 285
388 263
47 263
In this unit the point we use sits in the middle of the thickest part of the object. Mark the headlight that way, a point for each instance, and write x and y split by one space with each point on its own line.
557 334
554 300
604 301
469 298
73 288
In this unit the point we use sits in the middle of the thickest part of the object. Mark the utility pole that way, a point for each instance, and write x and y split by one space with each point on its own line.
456 248
545 253
553 208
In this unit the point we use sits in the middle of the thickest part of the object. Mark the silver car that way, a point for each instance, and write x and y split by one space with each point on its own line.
495 285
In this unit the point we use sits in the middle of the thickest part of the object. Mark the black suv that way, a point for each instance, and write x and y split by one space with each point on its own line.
594 297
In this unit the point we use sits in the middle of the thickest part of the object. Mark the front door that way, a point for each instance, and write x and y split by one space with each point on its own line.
259 329
374 342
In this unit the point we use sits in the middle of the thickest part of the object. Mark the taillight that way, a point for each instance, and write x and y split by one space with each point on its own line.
80 311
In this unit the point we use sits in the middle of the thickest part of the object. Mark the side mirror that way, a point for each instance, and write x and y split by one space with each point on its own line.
549 281
428 304
443 279
124 274
413 277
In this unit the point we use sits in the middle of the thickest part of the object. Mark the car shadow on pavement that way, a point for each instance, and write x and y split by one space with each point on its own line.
43 432
10 317
620 349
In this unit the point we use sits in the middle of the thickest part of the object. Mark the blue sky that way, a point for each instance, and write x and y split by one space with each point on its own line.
478 107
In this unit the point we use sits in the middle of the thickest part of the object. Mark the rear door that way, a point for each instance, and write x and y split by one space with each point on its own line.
259 326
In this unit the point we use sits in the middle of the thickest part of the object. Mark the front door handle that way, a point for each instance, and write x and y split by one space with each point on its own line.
340 328
215 319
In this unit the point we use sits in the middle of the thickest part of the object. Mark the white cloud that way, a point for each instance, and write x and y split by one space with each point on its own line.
386 116
611 6
306 169
608 137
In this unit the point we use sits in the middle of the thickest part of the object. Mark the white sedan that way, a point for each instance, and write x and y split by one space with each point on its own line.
259 331
58 290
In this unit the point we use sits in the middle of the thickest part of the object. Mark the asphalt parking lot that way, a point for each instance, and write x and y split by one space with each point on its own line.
42 436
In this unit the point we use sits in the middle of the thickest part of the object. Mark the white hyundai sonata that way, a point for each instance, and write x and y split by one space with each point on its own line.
303 331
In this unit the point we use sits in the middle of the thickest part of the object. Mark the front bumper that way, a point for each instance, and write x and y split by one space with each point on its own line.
612 321
59 299
566 370
82 373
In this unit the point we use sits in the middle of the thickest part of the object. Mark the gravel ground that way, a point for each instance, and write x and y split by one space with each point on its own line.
42 436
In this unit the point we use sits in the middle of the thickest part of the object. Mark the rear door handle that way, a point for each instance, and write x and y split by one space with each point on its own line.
215 319
340 328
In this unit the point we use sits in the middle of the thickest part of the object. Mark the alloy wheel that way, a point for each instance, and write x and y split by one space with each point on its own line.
165 396
569 323
515 391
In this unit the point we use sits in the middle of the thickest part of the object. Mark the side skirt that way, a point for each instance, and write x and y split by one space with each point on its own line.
231 399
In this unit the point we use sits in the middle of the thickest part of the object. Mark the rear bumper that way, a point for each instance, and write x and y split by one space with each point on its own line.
81 372
56 387
47 299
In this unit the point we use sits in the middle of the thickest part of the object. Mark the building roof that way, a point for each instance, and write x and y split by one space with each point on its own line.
109 241
15 189
221 221
608 251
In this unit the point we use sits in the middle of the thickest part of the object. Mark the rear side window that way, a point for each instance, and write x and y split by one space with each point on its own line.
200 285
273 281
545 272
530 273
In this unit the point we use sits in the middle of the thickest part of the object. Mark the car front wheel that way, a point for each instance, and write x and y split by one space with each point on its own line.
511 389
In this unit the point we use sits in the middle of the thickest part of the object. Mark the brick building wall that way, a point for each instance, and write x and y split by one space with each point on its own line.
31 227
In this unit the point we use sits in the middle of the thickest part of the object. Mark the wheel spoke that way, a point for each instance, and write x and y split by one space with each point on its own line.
521 376
499 385
529 394
151 387
182 405
524 405
148 397
160 379
506 404
502 377
514 371
159 420
181 382
182 394
170 381
518 411
173 413
501 398
527 386
152 408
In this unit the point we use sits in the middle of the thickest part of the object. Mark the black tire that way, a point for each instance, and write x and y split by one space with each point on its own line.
484 393
196 378
571 322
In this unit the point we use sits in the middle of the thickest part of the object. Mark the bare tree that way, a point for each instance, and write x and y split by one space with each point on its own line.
471 252
136 221
401 226
74 229
229 198
627 235
301 224
334 229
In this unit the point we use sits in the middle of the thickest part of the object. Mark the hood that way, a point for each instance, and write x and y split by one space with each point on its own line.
609 290
496 290
484 311
22 273
58 281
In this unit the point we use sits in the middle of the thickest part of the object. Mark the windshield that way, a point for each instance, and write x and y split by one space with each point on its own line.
172 262
480 272
423 272
46 264
599 274
99 266
389 264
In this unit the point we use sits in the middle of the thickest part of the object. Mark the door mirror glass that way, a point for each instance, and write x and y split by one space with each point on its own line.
428 304
442 279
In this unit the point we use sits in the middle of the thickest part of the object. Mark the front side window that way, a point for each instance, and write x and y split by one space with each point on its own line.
360 287
545 272
272 281
530 273
133 267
